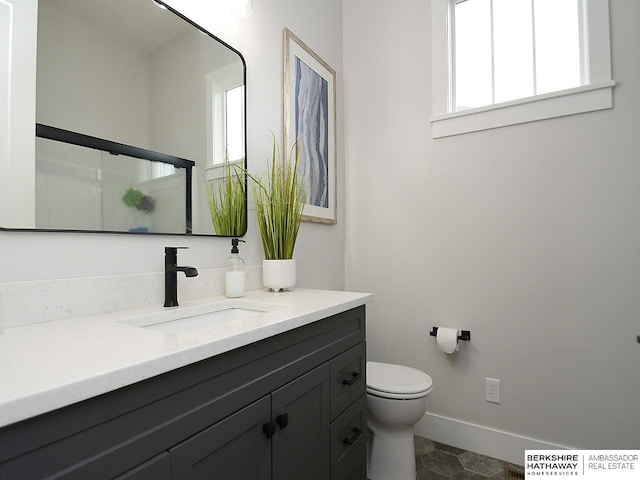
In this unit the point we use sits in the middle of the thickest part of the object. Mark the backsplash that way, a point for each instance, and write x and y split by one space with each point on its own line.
23 303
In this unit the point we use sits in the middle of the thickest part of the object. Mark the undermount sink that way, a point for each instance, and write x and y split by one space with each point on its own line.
188 319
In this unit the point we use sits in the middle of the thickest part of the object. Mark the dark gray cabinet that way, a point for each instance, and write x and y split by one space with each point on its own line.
301 442
158 468
286 433
231 449
288 407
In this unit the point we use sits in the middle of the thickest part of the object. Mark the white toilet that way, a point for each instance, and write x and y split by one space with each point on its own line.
396 401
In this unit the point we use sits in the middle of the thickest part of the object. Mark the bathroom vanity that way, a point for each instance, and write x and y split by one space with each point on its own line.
279 394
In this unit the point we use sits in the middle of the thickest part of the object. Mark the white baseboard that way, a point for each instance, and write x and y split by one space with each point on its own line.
505 446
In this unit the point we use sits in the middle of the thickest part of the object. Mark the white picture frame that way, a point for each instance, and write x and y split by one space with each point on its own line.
310 120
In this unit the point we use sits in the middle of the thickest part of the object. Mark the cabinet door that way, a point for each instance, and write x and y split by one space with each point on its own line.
232 449
300 446
158 468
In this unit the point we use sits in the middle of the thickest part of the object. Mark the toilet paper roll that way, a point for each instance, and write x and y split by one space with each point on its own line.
447 339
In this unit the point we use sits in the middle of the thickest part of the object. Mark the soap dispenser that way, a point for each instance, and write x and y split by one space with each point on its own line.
234 275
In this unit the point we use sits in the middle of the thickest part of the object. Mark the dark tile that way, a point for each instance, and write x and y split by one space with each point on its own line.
481 464
518 468
425 474
438 461
442 463
448 448
470 476
423 445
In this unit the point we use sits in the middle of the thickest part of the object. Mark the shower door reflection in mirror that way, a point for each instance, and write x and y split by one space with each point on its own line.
88 188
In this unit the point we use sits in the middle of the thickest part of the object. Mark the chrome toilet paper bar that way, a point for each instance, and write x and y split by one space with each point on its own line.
464 334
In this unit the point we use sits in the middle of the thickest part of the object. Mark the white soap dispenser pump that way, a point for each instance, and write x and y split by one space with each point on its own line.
234 275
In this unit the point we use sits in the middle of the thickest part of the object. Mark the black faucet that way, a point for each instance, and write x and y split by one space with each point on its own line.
171 269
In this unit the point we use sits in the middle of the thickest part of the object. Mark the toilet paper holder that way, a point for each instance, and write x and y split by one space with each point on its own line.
464 334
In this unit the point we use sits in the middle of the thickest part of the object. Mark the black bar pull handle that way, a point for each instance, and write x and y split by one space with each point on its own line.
357 432
282 420
355 376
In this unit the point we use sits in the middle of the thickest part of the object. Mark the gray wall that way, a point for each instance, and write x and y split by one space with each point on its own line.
529 236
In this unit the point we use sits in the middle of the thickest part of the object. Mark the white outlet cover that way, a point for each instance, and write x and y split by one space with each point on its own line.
492 390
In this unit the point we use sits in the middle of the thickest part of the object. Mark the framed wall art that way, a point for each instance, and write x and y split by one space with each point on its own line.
310 120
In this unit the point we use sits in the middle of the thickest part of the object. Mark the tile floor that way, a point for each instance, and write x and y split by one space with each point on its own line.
436 461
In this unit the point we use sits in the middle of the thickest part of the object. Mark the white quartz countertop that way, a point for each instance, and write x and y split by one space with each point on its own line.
50 365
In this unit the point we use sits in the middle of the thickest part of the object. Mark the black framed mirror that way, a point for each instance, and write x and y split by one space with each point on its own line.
162 101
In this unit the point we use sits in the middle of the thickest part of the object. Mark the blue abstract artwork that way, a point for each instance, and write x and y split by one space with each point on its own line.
312 130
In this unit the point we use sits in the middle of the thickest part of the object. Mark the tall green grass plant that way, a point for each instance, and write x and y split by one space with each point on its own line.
279 198
227 201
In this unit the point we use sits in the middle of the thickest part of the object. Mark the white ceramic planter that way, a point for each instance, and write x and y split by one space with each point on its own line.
279 275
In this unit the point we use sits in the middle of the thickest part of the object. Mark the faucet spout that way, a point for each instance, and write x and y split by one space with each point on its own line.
188 271
170 275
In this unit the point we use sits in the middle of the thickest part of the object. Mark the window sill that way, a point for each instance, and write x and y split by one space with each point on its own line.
218 171
589 98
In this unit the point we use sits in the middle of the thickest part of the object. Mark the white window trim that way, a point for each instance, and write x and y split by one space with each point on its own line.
596 95
218 171
218 83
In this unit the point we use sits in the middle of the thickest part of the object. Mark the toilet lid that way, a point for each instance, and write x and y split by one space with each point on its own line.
397 381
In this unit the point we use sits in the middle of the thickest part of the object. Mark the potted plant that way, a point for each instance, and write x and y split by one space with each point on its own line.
227 202
279 199
135 198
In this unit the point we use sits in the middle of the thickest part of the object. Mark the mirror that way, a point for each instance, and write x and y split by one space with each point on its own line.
72 166
165 102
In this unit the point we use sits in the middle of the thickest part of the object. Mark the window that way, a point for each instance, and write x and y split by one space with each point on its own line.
508 49
502 62
234 122
225 116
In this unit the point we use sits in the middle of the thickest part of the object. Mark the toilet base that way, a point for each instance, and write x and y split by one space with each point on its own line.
391 454
396 401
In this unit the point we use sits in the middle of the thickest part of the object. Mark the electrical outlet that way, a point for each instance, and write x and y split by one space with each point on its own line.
492 390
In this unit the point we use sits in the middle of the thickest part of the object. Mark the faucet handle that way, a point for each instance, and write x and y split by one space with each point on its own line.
173 250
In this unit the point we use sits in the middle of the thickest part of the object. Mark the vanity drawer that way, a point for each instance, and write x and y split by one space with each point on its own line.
349 443
347 378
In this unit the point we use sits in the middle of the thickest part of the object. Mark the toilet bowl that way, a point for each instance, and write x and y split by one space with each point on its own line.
396 401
